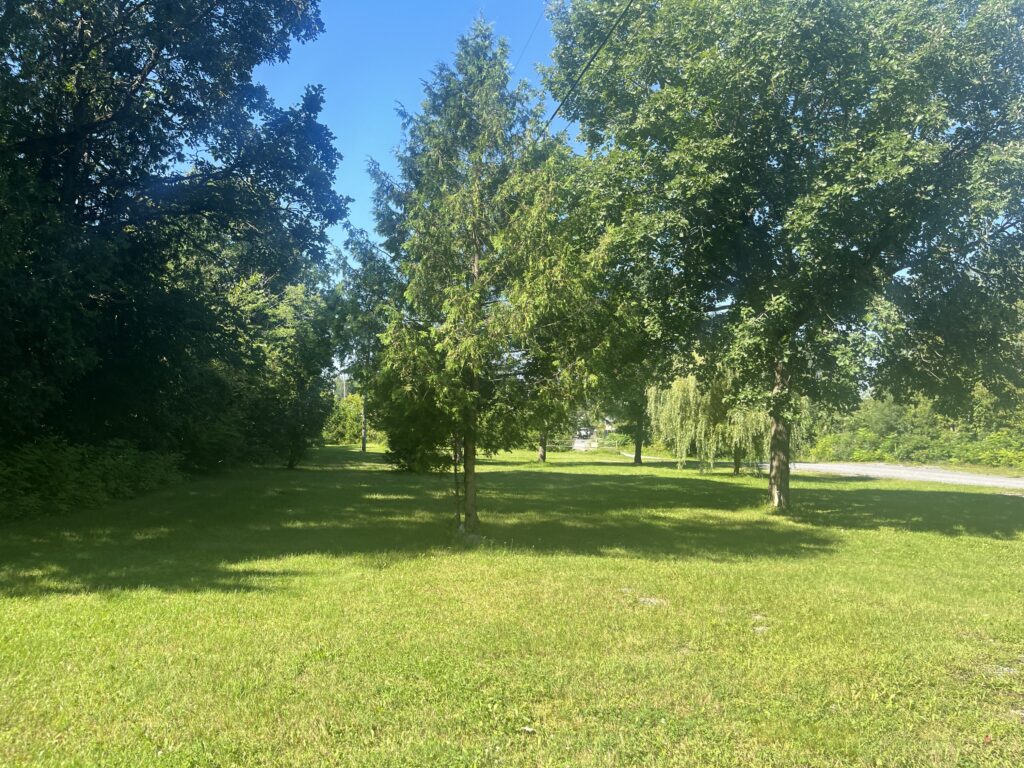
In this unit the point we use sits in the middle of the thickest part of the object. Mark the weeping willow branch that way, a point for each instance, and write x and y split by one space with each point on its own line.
689 418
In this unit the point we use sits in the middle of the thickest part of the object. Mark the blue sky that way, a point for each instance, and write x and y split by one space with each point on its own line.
375 54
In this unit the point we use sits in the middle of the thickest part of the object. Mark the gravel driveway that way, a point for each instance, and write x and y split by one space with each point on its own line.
901 472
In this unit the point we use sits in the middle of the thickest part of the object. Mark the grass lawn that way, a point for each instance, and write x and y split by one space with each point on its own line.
614 616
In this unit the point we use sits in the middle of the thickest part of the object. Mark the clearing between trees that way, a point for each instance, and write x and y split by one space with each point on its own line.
613 615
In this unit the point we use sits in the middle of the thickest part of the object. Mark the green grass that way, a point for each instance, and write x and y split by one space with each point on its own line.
979 469
628 616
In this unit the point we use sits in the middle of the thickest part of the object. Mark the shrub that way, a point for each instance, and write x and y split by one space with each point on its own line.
344 424
50 476
882 430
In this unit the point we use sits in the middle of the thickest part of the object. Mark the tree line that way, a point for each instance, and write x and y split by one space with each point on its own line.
774 202
791 201
986 433
164 267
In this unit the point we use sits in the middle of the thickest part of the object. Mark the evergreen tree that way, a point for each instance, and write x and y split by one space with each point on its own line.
449 354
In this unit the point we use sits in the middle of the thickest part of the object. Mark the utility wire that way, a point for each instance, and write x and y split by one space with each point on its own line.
575 83
529 40
586 67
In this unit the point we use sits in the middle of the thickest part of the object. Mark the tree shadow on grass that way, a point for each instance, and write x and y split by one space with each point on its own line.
232 532
823 501
951 513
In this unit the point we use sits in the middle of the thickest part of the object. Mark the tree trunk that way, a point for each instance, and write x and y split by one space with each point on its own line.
638 433
363 418
456 461
472 521
778 446
737 460
542 451
778 475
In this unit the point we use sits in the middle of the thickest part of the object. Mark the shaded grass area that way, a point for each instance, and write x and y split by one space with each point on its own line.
613 616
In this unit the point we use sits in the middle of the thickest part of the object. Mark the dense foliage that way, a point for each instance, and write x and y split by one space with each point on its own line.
811 158
163 225
49 476
884 430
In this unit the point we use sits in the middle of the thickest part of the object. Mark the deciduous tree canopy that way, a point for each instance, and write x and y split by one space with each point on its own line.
163 222
812 156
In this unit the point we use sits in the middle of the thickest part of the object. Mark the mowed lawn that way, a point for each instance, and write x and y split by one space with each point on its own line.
613 616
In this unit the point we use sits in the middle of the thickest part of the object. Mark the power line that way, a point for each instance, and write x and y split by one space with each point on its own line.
586 67
528 40
579 77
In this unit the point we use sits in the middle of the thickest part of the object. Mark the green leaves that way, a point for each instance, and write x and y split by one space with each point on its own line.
788 162
463 345
151 198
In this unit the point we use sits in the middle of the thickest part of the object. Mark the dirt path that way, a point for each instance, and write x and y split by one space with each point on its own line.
902 472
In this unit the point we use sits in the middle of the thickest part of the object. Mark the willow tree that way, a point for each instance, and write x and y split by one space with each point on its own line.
446 213
696 415
817 153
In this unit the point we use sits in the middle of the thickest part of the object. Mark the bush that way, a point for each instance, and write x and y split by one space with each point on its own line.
882 430
50 476
344 424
